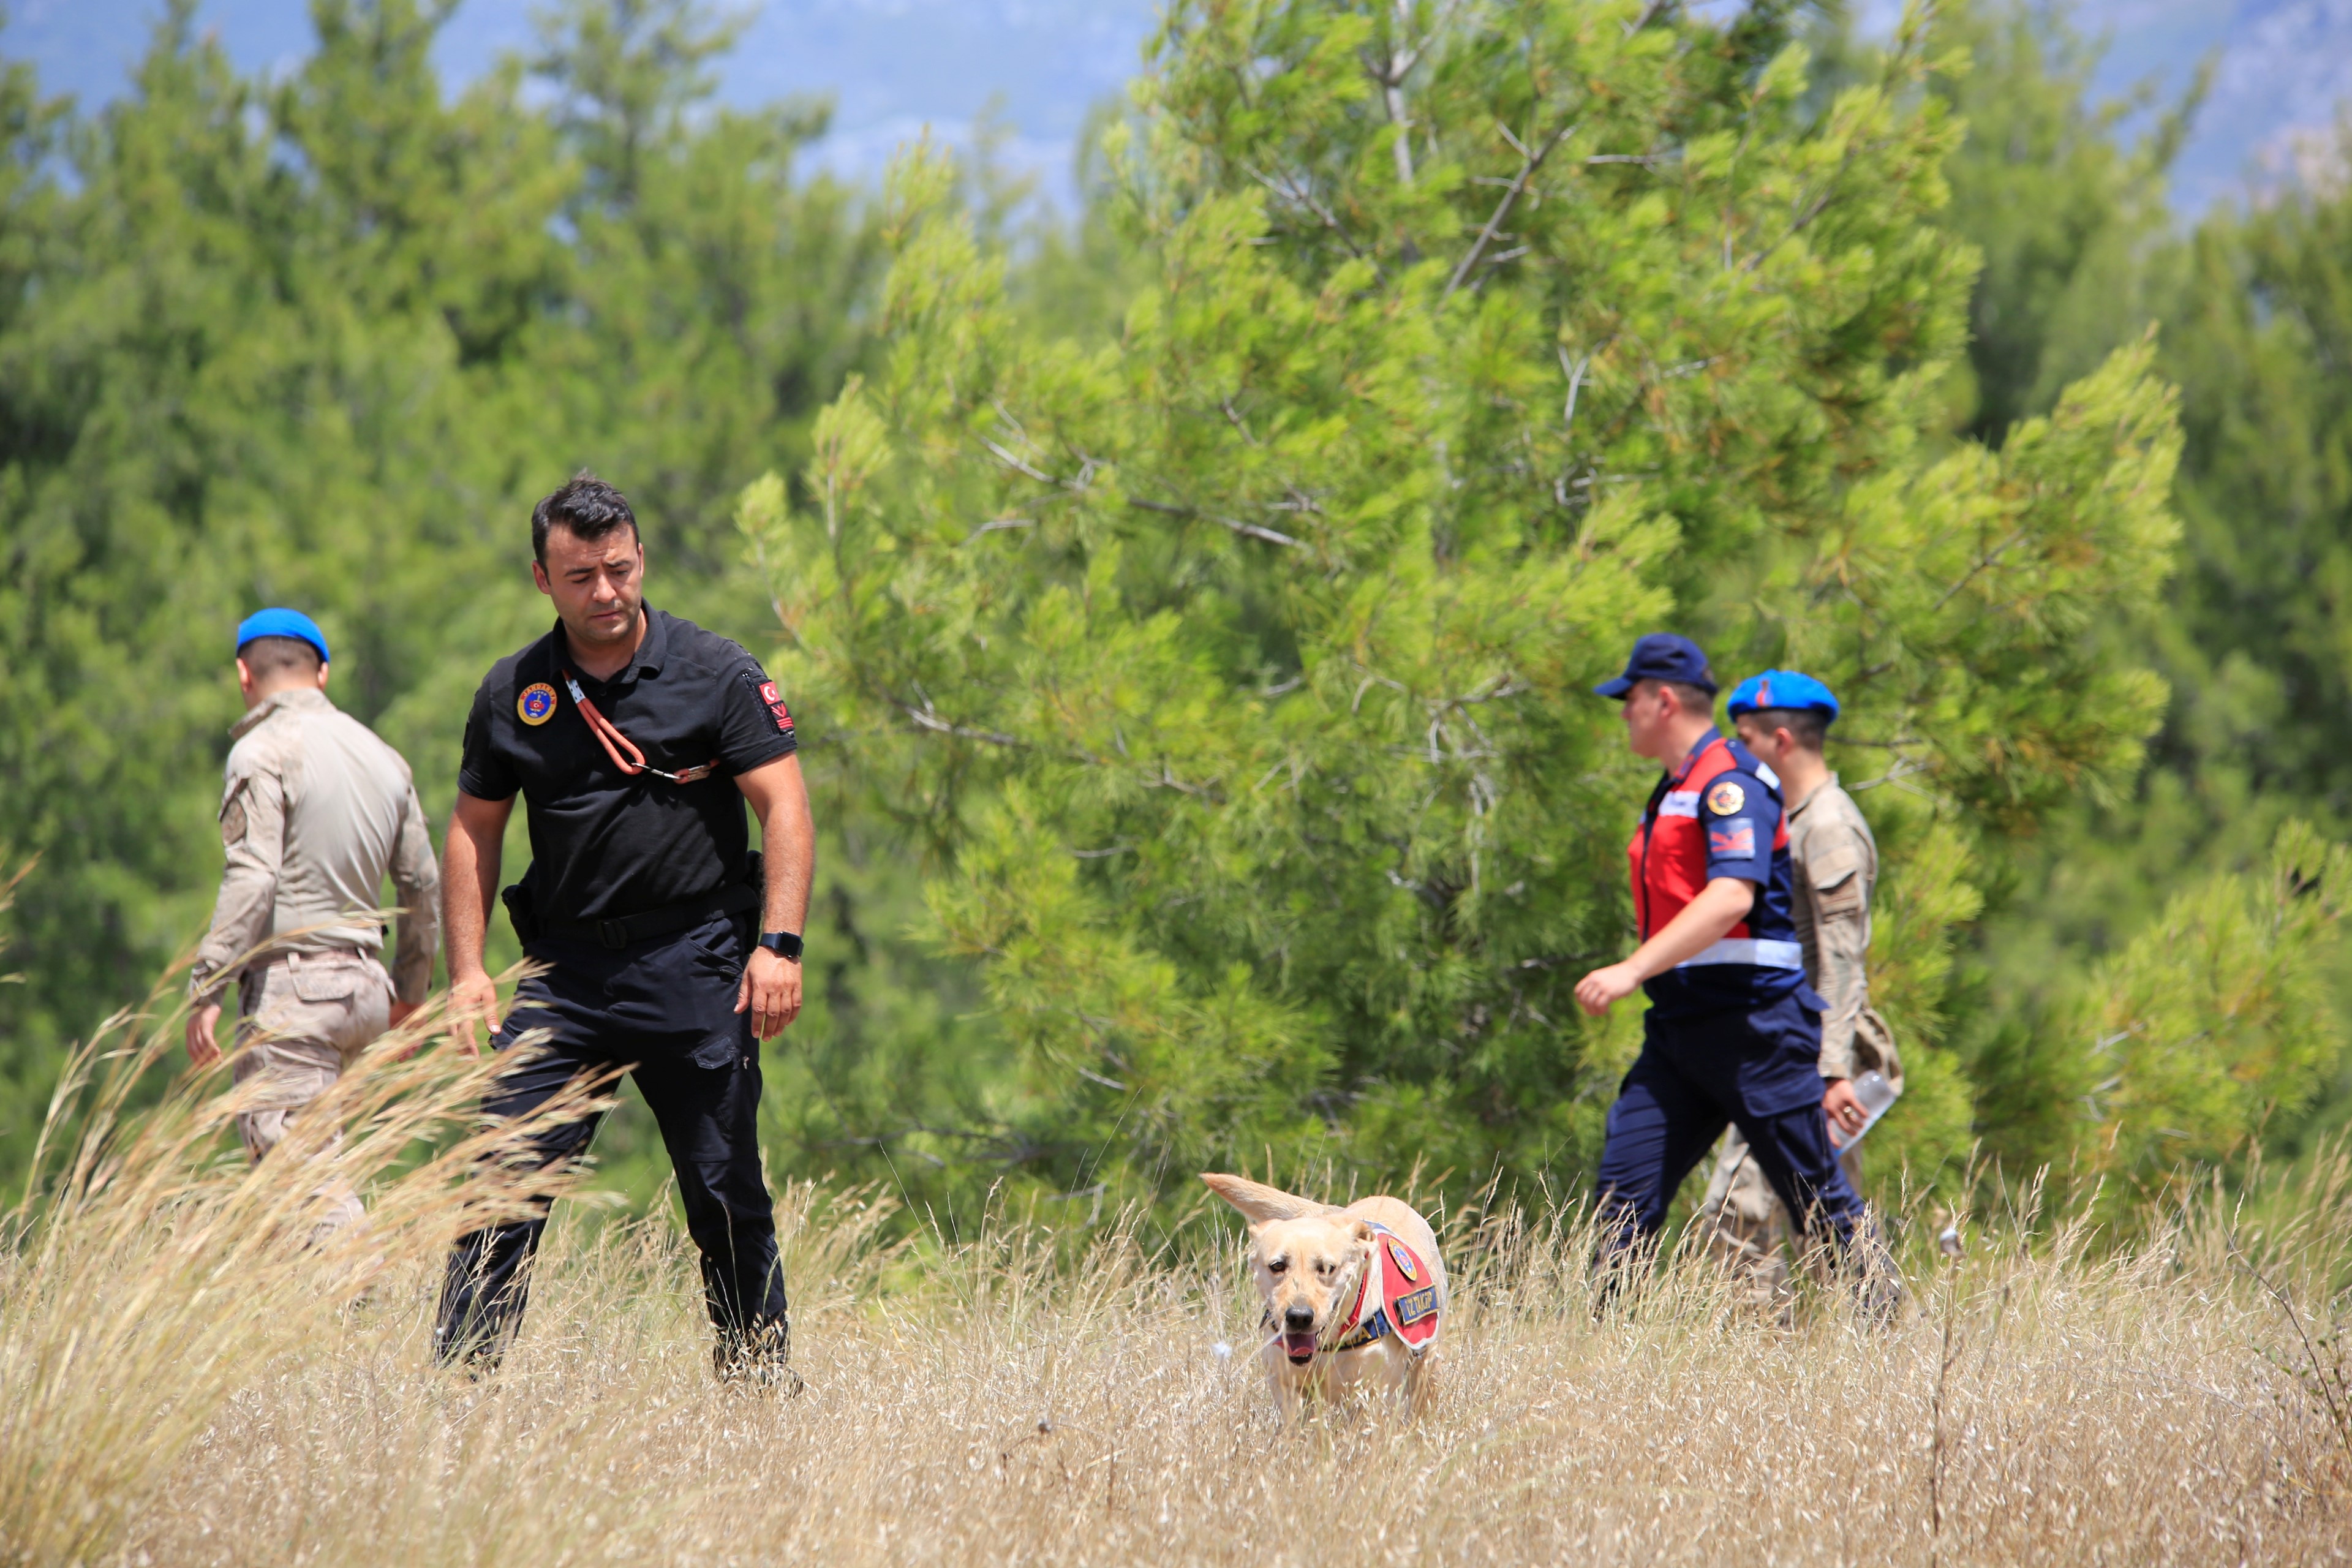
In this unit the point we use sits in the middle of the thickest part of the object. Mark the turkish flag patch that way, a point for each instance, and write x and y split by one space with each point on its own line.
770 698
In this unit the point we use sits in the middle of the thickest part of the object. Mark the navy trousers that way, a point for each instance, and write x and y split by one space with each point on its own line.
664 1011
1699 1072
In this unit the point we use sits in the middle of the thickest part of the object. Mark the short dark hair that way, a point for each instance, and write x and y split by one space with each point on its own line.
266 657
587 506
1696 699
1809 726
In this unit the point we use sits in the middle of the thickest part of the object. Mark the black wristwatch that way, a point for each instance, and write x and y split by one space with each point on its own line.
782 944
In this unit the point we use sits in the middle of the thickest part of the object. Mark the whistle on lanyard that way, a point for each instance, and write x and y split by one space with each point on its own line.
616 743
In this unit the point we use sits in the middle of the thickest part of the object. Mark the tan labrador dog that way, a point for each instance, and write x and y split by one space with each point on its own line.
1353 1296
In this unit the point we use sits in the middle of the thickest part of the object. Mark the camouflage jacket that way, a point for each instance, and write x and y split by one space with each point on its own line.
1835 864
316 811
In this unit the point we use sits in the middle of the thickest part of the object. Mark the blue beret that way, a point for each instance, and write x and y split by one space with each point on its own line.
283 623
1661 655
1781 688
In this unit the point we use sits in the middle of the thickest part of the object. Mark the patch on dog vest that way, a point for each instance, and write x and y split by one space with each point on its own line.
1409 1291
1397 1295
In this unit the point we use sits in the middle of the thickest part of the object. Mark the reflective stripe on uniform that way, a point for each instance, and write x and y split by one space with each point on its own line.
1679 802
1763 953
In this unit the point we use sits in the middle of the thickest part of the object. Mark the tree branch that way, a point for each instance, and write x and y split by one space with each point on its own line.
1010 461
1247 529
1989 558
1305 198
925 719
1530 163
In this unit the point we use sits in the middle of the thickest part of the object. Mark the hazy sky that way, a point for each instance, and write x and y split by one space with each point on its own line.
894 66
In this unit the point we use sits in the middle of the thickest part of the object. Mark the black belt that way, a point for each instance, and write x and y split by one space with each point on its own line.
620 933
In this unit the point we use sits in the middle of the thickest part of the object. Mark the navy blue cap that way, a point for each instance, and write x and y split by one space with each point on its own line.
1778 688
1661 655
283 623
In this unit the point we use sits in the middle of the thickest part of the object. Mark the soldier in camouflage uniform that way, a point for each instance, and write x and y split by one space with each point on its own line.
316 812
1783 718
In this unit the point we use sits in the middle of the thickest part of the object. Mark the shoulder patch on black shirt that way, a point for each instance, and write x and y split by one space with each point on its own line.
769 698
1725 797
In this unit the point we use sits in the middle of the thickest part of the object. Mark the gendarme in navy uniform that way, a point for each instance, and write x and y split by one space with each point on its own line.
1733 1031
634 739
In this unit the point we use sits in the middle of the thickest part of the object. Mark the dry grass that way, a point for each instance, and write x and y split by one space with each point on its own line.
194 1392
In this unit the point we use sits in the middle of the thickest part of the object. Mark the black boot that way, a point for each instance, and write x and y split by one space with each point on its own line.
759 1360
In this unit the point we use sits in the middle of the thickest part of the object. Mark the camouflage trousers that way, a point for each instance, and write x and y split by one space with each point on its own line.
1746 1227
303 1018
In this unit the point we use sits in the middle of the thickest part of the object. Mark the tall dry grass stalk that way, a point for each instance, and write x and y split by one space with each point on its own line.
149 1273
181 1383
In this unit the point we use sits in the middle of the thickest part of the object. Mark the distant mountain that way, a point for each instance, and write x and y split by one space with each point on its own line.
894 66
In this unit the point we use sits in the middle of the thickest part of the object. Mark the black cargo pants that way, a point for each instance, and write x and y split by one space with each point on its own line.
662 1009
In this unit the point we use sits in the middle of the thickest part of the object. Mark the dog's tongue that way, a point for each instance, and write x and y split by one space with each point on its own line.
1298 1347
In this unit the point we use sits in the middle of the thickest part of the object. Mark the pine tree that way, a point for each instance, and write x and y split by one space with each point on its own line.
322 341
1234 674
2064 204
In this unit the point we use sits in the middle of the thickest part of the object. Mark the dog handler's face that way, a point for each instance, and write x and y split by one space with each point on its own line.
1302 1265
598 585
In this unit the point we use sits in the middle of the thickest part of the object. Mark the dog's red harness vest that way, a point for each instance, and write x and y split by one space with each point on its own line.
1396 1295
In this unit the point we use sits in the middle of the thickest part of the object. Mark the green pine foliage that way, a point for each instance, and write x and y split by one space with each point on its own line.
2171 1059
2249 636
2081 256
1191 611
323 340
2254 638
2063 192
1232 675
2259 327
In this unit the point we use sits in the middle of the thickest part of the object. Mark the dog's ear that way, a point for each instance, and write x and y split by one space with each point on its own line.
1364 1231
1258 1202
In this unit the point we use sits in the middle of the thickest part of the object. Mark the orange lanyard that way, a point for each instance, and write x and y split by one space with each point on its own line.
616 743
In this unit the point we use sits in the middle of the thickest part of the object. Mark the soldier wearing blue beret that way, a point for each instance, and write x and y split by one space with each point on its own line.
1784 717
316 812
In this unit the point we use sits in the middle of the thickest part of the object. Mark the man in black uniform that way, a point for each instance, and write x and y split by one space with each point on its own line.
634 738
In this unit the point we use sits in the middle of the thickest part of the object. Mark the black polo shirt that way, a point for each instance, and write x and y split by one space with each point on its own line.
604 843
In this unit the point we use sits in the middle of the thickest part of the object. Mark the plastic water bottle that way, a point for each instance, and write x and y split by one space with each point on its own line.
1876 1094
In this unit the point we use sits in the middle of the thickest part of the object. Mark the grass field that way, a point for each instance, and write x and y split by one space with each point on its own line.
179 1384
